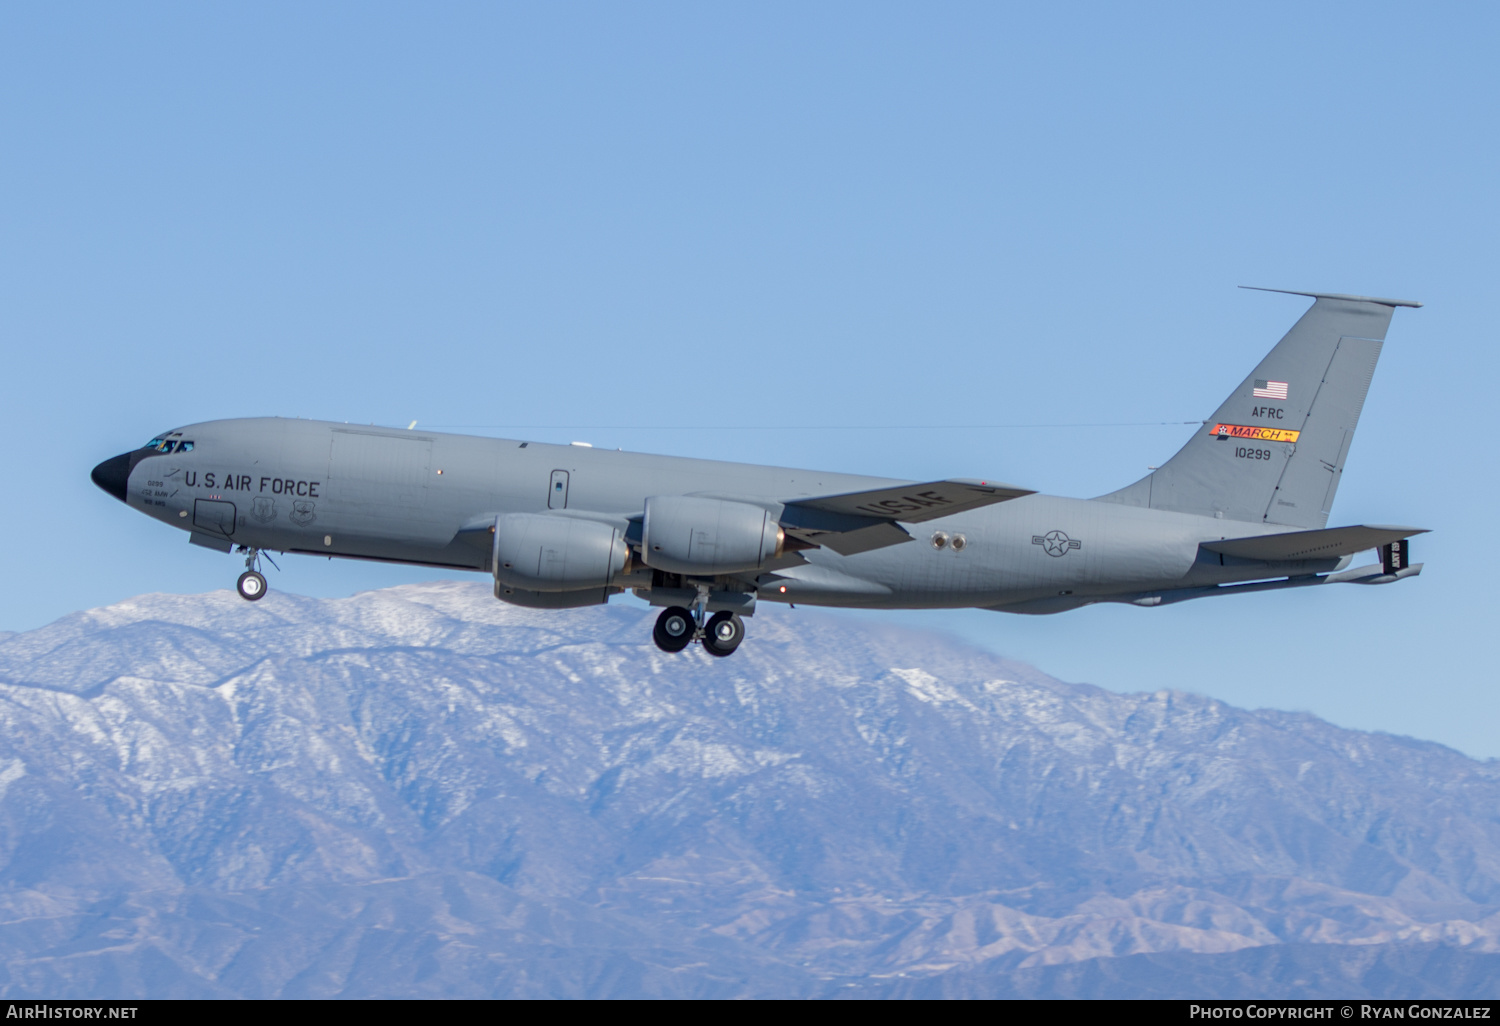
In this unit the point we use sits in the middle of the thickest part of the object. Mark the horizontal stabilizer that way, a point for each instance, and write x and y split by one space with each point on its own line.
1340 296
914 503
1324 544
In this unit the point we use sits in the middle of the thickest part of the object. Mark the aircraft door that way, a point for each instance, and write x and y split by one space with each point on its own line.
214 516
557 490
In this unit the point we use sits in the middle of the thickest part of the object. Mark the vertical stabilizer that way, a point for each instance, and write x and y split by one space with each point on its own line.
1274 451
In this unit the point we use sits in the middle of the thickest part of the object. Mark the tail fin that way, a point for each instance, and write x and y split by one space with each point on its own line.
1274 451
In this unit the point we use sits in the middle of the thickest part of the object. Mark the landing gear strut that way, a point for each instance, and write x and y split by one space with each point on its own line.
252 583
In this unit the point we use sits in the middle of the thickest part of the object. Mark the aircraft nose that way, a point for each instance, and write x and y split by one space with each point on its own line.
113 475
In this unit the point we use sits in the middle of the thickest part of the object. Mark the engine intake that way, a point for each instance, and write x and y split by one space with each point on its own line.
549 553
683 534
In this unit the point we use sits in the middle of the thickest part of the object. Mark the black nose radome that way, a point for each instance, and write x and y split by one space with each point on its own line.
113 475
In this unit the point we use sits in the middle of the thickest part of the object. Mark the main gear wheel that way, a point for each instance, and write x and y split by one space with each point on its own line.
674 629
723 634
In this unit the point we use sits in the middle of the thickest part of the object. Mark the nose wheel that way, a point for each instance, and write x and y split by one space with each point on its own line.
252 583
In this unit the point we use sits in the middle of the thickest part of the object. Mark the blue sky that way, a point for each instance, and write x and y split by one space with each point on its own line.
887 239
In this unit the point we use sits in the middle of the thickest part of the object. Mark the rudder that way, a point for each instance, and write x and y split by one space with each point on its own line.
1274 451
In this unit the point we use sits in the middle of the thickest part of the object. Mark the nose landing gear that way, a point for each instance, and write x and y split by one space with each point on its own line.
677 628
252 583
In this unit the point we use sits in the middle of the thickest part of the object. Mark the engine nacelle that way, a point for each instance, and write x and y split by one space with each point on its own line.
683 534
542 552
553 599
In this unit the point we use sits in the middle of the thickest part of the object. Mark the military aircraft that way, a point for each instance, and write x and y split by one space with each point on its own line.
1242 507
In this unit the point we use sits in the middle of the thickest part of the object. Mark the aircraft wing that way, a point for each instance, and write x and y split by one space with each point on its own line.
856 522
1327 543
915 503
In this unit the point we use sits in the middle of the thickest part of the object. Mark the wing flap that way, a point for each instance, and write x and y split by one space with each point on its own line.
877 535
856 522
914 503
847 535
1326 543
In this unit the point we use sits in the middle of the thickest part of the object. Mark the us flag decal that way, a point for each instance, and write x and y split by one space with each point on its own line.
1269 389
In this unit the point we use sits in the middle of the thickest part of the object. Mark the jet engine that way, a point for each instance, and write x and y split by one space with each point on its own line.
683 534
540 552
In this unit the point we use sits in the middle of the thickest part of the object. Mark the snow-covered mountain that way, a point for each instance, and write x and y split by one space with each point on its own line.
420 791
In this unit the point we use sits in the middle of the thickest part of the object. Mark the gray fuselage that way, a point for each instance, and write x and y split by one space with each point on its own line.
408 496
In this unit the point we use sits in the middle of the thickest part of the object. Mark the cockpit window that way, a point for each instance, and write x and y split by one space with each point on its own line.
169 445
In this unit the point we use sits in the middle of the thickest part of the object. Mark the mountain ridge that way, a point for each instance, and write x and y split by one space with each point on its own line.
840 803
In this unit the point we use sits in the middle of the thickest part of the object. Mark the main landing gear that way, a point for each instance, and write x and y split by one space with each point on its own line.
677 628
252 583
